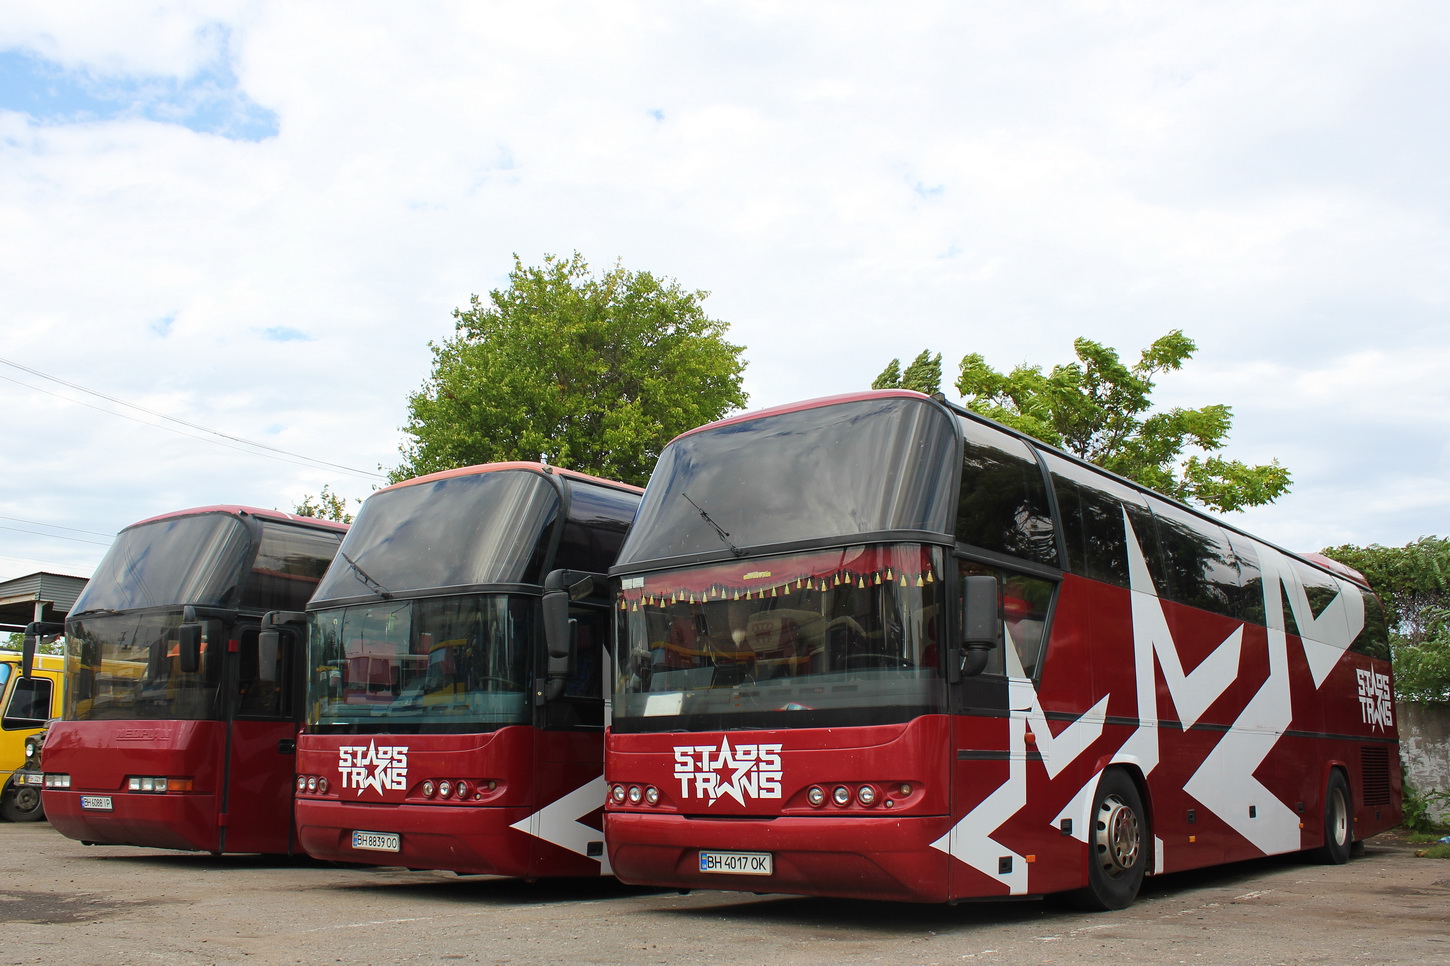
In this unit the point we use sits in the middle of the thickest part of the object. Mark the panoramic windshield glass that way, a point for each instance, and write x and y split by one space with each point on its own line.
444 664
863 466
782 641
128 667
177 560
453 531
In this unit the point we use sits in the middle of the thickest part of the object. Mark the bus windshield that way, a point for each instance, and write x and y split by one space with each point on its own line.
447 664
792 640
185 559
126 666
862 466
452 531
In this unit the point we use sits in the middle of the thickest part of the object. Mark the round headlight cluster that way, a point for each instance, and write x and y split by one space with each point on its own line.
313 784
457 789
842 796
634 795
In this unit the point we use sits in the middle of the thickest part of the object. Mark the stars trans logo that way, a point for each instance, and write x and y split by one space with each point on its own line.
745 771
382 768
1376 704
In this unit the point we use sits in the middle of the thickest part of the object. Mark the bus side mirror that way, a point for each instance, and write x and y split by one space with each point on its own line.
188 647
34 631
981 623
561 588
269 640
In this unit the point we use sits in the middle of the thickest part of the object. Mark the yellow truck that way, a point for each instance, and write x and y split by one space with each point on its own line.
26 704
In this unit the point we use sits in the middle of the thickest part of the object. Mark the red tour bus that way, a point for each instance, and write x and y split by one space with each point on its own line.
875 646
179 731
455 713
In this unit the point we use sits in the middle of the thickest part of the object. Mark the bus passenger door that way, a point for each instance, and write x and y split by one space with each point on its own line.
262 746
568 819
984 786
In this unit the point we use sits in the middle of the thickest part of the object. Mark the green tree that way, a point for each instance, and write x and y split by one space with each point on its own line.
923 375
591 373
326 506
1099 408
48 645
1413 583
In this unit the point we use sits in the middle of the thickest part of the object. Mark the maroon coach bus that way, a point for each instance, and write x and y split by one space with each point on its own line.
876 646
179 730
457 649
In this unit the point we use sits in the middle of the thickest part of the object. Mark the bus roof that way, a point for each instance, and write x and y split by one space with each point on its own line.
1315 559
518 465
236 510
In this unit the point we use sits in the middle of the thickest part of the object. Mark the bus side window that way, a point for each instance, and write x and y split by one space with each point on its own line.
1026 601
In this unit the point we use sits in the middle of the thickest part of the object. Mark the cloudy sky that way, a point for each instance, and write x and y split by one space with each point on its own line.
250 219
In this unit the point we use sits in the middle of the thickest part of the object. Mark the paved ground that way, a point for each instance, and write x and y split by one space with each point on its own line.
61 902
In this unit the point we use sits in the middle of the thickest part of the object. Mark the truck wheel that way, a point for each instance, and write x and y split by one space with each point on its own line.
22 804
1338 822
1117 846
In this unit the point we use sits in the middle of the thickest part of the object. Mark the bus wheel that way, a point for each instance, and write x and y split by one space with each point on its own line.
1117 845
22 804
1338 822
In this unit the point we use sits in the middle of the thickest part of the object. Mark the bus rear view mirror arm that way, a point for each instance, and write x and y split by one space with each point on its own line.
34 631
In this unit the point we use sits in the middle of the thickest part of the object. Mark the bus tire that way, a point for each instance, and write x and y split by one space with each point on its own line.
1338 821
1117 846
21 804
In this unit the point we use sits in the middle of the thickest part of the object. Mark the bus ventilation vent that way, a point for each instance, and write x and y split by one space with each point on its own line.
1374 764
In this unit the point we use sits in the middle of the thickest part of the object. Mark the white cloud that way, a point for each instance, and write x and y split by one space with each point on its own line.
851 181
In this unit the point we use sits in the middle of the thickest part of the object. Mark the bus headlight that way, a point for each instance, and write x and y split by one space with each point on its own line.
841 795
816 796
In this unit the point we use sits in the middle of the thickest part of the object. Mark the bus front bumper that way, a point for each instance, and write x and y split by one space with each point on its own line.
808 855
470 840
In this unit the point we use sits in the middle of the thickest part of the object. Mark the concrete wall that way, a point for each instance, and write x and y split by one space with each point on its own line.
1425 749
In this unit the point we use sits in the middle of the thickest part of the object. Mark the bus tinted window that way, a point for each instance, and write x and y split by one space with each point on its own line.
1319 587
599 518
183 559
1093 507
1198 563
860 466
1374 640
1003 505
447 531
289 564
1249 599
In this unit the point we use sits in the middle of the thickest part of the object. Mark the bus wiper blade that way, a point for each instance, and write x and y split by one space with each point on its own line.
95 610
724 537
368 581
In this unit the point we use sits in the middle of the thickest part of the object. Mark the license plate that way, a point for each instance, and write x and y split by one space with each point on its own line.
32 779
377 841
98 803
737 863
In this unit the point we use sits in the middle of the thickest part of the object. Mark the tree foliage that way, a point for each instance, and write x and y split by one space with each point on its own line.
1100 408
591 373
923 375
1413 583
15 641
326 506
